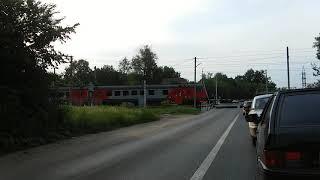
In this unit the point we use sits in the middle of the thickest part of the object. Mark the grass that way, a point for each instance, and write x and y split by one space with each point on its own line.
103 118
76 120
173 109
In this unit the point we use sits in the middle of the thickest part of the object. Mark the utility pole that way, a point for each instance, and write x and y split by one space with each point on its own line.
205 89
304 79
95 74
144 93
195 83
266 81
288 70
202 75
216 89
144 89
54 77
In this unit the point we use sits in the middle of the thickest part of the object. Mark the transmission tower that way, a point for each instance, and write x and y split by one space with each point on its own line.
304 79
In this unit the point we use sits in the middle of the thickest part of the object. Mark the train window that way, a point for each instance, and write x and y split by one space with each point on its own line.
117 93
109 93
125 93
141 92
165 92
151 92
134 92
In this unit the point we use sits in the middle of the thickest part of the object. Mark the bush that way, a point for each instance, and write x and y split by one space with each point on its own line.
101 118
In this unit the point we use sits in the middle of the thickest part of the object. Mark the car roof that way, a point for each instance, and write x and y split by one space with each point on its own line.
262 96
298 90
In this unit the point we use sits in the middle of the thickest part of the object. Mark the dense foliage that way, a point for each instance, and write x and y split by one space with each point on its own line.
27 30
142 66
241 87
315 66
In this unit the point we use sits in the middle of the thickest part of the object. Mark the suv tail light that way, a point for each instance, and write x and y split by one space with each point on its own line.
293 156
278 159
273 158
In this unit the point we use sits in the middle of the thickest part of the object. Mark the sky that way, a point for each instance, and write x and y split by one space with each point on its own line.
228 36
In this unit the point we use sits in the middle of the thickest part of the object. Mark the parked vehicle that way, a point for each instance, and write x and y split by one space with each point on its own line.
256 109
246 107
288 139
235 101
241 103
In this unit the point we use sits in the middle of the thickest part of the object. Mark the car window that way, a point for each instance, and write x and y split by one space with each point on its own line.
300 110
247 104
266 112
134 92
261 103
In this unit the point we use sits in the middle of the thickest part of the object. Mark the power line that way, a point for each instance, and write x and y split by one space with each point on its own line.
248 55
273 57
185 61
274 50
256 63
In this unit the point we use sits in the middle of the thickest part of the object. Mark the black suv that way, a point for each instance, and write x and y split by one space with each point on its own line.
288 140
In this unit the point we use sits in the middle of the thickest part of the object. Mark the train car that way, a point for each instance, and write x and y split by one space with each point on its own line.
115 95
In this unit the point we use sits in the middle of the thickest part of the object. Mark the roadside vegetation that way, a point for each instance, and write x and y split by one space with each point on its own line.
80 120
86 119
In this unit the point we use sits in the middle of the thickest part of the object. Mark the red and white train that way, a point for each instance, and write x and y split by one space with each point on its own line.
115 95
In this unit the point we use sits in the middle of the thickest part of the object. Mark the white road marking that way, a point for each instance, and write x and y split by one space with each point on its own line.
203 168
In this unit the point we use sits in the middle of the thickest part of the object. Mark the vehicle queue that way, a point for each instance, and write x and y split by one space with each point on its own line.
285 128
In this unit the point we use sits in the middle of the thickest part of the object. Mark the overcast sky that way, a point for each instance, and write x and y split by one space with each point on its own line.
228 36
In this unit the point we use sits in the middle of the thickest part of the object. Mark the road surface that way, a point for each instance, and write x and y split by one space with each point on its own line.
212 145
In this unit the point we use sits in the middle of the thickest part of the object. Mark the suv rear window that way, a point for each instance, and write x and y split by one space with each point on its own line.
300 109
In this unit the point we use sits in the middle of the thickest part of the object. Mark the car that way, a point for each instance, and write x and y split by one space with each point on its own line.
246 107
234 101
288 138
241 103
257 106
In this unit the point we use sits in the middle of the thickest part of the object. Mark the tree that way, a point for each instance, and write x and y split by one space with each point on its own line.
316 45
78 73
162 73
27 30
144 63
314 85
241 87
125 66
107 75
255 76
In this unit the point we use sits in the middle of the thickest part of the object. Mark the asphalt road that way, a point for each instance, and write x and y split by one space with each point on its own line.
180 148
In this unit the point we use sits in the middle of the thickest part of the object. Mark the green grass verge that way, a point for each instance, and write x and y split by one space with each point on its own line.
103 118
75 121
173 109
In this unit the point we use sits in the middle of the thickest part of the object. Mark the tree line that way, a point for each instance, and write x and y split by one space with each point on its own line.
130 72
144 66
240 87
